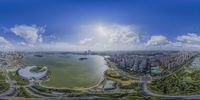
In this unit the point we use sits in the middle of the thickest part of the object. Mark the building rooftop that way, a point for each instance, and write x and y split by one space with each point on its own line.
26 73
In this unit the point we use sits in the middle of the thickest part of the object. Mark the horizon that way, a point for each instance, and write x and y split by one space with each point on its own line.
103 51
100 25
100 49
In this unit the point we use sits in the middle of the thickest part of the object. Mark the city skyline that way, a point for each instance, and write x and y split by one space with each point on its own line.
99 25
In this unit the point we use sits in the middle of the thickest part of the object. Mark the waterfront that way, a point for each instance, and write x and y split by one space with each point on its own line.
68 71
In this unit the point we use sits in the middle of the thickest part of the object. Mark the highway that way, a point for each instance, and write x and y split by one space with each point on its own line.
12 86
145 79
147 92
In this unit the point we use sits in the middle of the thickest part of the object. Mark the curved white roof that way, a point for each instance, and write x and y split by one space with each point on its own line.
27 74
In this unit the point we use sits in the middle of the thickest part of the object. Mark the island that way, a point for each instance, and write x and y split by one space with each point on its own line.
83 58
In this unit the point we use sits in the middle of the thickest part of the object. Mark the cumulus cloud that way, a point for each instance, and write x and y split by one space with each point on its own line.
86 40
98 37
111 36
54 46
189 38
119 33
157 41
21 43
4 44
31 34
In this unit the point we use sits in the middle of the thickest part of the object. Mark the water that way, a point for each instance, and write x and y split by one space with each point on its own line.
68 71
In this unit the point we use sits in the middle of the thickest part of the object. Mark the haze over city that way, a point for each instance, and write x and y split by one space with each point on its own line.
100 49
76 25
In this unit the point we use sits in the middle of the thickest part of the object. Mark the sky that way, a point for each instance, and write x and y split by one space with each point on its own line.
78 25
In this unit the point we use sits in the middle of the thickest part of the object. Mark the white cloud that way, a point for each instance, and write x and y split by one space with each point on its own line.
5 44
110 36
40 39
86 40
119 33
21 43
31 34
54 46
189 38
184 46
157 41
98 37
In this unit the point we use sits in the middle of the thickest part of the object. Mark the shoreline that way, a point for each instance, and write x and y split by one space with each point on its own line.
81 88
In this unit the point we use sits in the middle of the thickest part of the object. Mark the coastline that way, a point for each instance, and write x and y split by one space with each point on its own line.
100 82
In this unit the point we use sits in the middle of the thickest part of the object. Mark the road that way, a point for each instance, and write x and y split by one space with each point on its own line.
147 92
55 98
12 86
145 79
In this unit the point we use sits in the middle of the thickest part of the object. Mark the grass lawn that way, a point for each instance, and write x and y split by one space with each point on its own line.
23 93
156 70
3 86
18 79
123 82
129 85
2 77
183 82
42 89
36 69
112 73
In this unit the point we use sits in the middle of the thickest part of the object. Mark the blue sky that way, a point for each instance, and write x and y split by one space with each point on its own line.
99 24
